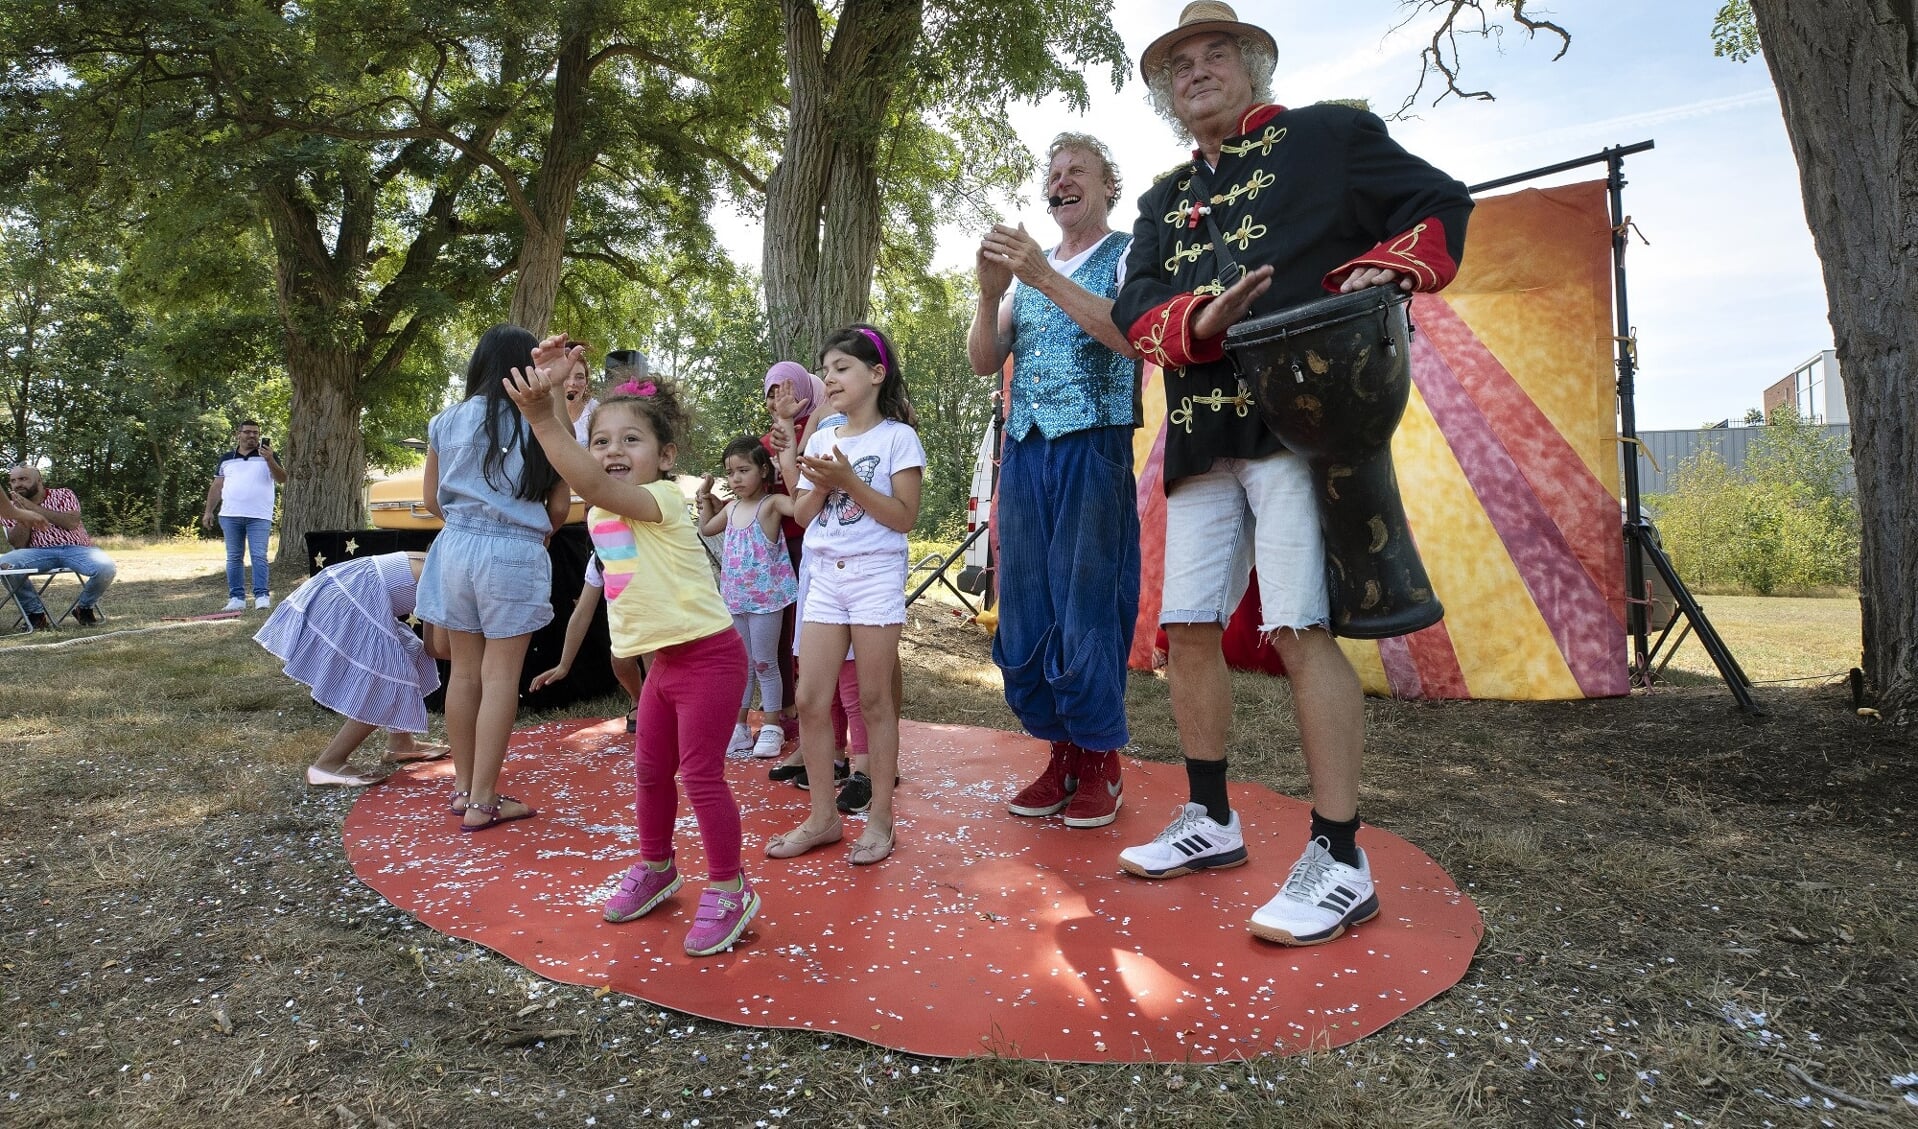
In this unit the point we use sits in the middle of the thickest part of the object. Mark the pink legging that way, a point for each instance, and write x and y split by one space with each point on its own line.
686 711
848 716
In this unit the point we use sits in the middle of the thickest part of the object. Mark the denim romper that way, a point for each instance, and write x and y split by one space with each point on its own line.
488 572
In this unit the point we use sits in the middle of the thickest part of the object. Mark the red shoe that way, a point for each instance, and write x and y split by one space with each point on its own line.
1096 803
1055 785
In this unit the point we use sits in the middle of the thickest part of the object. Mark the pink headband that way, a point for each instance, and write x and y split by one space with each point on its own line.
634 388
879 345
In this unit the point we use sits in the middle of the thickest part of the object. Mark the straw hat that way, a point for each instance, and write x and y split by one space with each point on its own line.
1199 17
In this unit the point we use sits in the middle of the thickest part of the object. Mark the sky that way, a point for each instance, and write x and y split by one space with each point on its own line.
1728 296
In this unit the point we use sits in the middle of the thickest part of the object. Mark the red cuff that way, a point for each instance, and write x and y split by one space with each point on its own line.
1419 253
1163 334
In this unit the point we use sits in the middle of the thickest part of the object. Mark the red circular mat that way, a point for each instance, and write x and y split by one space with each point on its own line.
983 934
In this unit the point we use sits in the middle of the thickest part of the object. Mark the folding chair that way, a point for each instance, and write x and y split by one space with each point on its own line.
41 579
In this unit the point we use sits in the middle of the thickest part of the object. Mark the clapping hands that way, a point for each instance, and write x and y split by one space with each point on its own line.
829 472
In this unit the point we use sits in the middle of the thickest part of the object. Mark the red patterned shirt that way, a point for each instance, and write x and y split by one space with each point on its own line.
60 501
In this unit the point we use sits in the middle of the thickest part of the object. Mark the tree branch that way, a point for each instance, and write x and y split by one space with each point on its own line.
509 180
1441 52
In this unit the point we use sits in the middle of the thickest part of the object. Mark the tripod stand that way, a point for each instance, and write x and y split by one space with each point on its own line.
1641 542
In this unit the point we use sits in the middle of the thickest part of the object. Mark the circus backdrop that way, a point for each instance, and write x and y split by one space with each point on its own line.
1507 464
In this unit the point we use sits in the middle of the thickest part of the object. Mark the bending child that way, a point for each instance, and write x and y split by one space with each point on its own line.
341 634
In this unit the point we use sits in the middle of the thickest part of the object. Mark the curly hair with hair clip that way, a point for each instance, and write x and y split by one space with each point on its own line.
656 400
1260 63
1084 143
869 345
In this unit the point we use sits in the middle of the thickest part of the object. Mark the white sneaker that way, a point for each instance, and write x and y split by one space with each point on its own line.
1319 899
1190 844
263 602
236 604
771 737
742 742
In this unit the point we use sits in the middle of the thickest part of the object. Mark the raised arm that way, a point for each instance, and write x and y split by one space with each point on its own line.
805 506
989 341
273 466
712 512
533 391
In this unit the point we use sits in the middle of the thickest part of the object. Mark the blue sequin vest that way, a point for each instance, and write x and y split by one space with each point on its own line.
1062 379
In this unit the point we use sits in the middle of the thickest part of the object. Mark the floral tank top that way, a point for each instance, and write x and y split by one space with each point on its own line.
755 574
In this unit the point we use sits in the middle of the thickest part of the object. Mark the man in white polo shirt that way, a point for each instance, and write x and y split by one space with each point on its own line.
241 497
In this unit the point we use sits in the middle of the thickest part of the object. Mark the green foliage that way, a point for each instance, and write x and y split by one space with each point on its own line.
126 404
927 318
1780 523
1735 32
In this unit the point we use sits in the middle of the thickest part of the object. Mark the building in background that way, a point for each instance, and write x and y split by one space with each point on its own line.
1815 387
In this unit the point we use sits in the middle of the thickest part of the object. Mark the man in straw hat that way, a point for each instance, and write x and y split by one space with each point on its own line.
1066 504
1309 201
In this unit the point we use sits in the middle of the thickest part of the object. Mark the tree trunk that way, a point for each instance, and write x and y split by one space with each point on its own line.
567 158
325 458
325 453
823 206
1844 70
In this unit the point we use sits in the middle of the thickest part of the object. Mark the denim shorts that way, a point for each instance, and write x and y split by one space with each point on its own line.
867 590
1240 515
498 587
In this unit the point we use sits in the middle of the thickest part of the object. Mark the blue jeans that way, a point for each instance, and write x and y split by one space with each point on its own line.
89 562
1068 515
244 534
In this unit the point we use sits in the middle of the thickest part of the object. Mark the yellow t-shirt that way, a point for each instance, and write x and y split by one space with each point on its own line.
659 583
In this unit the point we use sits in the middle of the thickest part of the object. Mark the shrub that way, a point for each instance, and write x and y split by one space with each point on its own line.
1782 522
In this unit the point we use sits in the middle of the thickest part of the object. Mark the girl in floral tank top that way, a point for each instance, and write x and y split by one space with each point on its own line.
755 579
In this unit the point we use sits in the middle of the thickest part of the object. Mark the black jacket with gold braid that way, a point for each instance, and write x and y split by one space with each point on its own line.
1315 193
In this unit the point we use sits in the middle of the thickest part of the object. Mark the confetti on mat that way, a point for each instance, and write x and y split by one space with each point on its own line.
984 933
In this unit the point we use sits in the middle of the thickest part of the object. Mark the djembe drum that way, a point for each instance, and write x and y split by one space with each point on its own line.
1331 378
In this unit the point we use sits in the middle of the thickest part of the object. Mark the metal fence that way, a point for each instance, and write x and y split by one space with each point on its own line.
1667 449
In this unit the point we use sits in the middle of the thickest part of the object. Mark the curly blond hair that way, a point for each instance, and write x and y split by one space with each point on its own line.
1084 143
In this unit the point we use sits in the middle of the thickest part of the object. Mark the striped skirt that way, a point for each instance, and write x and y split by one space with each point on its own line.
340 634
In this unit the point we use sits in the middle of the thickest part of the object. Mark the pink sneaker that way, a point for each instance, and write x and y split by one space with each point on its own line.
641 891
722 917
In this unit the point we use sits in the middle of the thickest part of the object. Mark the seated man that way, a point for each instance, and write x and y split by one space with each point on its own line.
44 528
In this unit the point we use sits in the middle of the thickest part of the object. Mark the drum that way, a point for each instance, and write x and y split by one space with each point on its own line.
1331 379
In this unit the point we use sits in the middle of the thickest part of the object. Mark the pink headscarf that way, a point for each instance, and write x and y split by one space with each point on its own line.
806 388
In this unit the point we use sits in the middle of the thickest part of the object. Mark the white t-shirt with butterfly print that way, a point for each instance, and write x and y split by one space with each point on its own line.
843 528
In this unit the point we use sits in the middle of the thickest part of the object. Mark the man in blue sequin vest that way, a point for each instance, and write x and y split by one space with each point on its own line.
1066 504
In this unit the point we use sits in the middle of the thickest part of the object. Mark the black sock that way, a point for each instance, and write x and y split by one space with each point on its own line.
1207 781
1341 838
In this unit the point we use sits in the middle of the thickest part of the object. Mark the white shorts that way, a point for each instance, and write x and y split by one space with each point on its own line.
1240 515
868 590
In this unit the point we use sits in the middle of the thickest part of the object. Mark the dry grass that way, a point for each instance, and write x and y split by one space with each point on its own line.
1688 914
1775 638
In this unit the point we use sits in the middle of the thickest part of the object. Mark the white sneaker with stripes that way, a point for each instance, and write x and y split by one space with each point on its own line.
1190 844
1320 898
